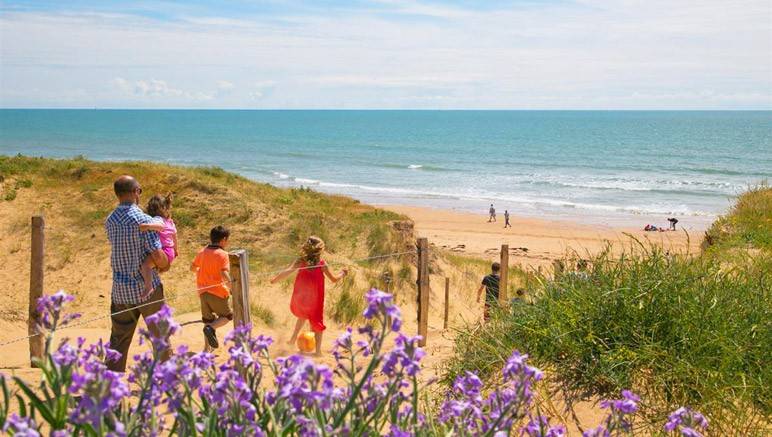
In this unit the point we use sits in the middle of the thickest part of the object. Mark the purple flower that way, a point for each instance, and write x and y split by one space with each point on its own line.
304 386
99 392
49 308
687 421
617 420
467 413
65 355
375 299
161 326
380 303
540 427
468 385
396 431
516 367
21 426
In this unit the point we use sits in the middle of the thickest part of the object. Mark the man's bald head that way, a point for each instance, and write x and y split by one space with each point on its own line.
125 187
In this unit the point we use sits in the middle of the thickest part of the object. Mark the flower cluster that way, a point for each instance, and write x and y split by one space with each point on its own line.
687 421
49 309
617 422
540 427
467 412
373 389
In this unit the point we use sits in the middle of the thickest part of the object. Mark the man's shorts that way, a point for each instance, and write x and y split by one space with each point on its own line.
213 307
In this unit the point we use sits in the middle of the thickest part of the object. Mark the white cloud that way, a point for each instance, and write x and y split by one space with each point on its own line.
224 85
588 54
158 89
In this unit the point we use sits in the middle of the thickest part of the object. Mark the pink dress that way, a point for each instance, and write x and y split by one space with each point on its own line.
308 296
167 238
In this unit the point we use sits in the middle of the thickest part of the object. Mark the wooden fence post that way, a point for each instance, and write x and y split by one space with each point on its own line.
504 275
240 287
423 289
37 269
447 302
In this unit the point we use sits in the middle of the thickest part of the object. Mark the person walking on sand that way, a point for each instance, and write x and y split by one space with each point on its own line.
506 219
307 303
213 278
673 221
491 214
490 284
129 248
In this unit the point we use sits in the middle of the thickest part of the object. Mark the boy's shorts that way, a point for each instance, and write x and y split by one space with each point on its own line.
213 307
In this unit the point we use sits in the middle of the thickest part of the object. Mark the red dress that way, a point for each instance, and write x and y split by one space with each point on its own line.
308 296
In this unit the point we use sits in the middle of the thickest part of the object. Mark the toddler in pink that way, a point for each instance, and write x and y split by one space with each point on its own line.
161 209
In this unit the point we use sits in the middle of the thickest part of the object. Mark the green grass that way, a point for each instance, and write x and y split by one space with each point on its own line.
10 195
262 313
679 330
349 303
747 226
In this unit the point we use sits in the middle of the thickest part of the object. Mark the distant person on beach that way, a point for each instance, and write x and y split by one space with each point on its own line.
519 298
581 270
129 248
673 221
159 208
307 303
213 278
492 214
506 219
490 284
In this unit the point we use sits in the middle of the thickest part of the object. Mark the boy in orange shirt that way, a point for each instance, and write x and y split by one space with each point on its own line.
213 278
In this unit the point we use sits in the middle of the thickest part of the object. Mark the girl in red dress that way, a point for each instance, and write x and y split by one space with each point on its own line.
308 294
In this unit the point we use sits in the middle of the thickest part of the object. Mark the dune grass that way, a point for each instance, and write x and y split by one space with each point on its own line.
748 225
262 313
268 221
681 330
271 223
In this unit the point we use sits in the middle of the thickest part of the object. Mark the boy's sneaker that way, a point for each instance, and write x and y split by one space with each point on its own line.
211 337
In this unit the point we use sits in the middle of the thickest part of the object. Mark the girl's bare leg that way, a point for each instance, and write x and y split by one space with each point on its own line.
318 336
146 270
298 327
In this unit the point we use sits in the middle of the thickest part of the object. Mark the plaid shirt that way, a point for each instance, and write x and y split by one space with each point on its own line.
129 248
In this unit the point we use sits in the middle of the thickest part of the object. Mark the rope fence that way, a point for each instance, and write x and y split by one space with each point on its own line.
171 298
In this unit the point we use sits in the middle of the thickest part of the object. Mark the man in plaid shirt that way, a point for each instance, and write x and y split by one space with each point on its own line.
129 249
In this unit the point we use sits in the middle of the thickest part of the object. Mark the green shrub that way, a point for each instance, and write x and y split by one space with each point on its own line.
263 313
748 225
10 195
349 305
679 330
23 183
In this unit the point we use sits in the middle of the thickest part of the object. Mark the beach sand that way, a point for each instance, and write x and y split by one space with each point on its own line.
536 242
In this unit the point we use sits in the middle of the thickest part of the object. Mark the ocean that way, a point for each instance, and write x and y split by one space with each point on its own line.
603 167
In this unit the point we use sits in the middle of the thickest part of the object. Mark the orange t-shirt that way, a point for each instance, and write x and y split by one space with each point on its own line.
211 261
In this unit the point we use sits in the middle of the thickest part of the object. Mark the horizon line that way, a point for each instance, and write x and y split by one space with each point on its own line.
397 109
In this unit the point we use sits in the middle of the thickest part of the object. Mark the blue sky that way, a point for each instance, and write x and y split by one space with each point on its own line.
494 54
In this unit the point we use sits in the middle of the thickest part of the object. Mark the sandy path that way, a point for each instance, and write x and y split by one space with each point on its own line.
543 240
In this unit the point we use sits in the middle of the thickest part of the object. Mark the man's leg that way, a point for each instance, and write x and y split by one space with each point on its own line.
121 333
149 310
